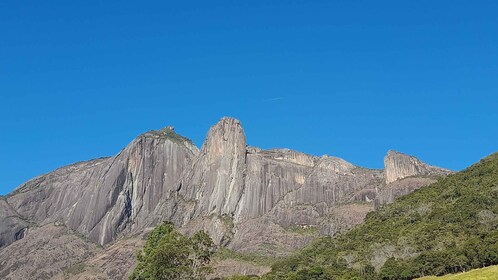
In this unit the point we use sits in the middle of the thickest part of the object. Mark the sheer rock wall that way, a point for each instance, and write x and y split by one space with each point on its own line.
248 199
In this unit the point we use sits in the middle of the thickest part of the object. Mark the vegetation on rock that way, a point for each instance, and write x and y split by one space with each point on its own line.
169 133
169 255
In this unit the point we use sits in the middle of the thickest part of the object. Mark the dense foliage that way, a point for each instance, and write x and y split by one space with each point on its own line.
169 255
448 227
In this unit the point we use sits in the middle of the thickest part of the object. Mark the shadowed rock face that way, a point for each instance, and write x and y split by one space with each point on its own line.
248 199
12 226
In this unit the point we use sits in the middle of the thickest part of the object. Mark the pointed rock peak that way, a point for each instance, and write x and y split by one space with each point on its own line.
393 152
217 178
229 120
398 166
228 124
226 130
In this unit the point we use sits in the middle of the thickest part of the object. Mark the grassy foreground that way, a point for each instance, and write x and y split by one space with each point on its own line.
487 273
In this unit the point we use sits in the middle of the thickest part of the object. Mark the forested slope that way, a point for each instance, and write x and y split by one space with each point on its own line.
448 227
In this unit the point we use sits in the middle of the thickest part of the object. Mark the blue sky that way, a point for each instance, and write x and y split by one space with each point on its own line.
79 80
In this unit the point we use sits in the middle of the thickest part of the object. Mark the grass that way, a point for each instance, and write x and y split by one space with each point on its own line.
487 273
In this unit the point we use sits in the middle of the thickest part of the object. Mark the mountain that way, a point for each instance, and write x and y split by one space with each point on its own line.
249 200
447 227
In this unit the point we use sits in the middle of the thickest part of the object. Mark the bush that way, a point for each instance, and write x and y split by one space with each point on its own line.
168 254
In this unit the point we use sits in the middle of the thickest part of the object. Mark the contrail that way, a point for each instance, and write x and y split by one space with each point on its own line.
273 99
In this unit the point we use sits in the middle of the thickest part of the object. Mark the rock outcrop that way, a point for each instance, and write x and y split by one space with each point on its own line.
104 197
405 174
398 166
12 226
45 252
216 179
248 199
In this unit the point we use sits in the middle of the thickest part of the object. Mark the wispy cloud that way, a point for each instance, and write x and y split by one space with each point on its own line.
273 99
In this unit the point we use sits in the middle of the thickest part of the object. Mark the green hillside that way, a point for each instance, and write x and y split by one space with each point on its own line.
487 273
448 227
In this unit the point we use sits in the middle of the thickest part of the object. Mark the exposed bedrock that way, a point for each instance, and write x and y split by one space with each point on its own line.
12 226
398 166
216 179
103 197
248 199
405 174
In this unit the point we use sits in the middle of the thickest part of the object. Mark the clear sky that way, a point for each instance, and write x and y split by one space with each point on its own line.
79 80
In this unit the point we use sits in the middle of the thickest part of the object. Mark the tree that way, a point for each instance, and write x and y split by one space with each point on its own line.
202 248
168 254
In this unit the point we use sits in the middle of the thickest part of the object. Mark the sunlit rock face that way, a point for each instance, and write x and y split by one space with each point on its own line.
104 197
405 174
248 199
216 179
398 166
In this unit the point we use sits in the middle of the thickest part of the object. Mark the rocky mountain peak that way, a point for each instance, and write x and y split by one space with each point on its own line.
216 179
398 166
225 139
227 129
246 198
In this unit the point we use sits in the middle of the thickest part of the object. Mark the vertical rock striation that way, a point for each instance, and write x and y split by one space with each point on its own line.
249 199
216 179
104 197
12 226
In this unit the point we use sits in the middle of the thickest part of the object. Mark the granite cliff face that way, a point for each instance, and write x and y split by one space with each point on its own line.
216 179
105 197
398 166
404 174
248 199
12 226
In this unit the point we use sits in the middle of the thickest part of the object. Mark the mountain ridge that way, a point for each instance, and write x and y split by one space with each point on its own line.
447 227
243 196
